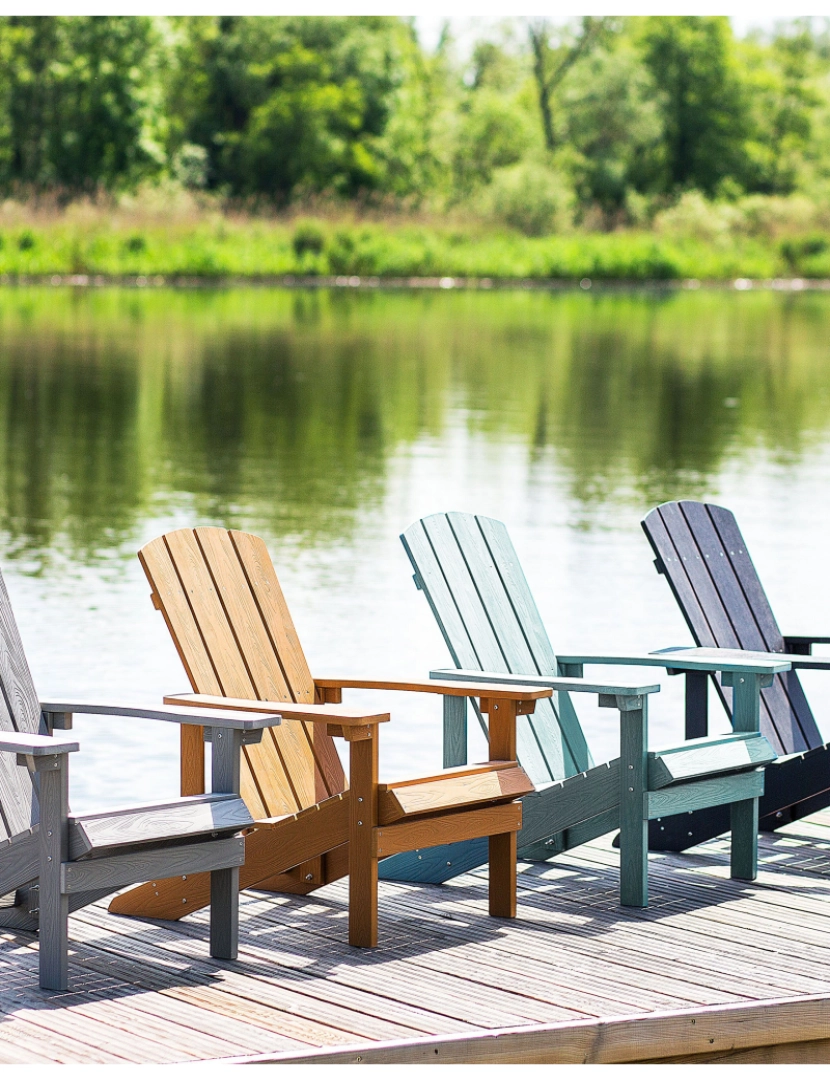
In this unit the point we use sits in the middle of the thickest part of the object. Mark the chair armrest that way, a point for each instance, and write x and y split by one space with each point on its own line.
523 692
571 685
288 709
680 658
20 742
803 646
205 717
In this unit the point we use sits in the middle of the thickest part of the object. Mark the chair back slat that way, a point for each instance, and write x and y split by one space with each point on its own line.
222 603
472 579
700 550
19 711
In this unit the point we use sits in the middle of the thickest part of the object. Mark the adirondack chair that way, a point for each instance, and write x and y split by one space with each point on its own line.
223 605
702 554
472 579
53 862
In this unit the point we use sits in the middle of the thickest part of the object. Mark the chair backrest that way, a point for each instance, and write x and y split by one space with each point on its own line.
19 711
470 573
703 556
223 605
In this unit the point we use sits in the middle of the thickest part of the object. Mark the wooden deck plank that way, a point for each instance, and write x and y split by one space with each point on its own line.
448 977
303 993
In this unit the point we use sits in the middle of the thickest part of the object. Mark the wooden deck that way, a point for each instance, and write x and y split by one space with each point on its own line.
714 969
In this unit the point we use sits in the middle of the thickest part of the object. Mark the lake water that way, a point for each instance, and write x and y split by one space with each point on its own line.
327 421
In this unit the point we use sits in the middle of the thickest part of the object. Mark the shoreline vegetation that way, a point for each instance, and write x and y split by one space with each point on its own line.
159 241
330 149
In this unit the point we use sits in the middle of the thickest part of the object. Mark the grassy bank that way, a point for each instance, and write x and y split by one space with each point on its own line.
215 246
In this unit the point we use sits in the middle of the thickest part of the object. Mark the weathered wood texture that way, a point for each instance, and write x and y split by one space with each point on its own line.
715 970
192 817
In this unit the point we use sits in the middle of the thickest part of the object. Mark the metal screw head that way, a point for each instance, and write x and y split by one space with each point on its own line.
631 789
360 798
495 708
360 822
631 766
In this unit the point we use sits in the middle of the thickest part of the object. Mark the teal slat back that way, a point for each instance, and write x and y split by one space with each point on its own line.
471 576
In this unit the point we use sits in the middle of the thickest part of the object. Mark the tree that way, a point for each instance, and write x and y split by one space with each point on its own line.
704 100
283 104
551 63
613 128
81 102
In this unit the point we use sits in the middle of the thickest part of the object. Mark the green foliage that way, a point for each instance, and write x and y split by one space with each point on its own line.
704 101
602 122
80 102
531 198
282 104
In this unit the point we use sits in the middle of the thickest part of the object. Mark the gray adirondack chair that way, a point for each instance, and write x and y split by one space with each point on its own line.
53 862
704 558
472 579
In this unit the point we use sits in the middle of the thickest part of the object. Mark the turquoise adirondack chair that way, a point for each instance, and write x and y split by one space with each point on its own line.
470 574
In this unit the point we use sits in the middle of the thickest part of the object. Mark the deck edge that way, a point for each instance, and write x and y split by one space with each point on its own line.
648 1037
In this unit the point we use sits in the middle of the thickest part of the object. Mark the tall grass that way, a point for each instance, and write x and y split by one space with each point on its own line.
192 243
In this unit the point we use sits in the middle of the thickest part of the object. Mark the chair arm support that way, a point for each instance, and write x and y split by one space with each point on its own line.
523 692
205 717
571 685
21 742
325 714
801 645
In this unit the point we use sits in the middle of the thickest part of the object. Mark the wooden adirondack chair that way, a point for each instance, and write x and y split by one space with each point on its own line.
225 610
471 576
702 554
53 862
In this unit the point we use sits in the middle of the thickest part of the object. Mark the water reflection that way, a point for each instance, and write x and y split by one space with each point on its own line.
282 408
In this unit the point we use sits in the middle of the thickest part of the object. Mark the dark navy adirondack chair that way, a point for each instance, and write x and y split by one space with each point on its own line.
702 554
471 576
53 862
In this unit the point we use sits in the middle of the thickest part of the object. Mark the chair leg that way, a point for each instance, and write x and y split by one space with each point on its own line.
224 913
363 863
744 853
54 906
633 821
503 875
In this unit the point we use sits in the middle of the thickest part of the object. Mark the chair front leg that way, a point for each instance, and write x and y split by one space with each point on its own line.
53 794
746 716
226 750
502 848
633 814
363 820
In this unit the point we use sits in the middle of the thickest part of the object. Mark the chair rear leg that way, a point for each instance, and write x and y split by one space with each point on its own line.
744 853
503 854
224 913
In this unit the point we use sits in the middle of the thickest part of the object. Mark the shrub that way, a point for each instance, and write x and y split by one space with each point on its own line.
531 198
308 239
